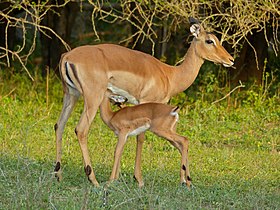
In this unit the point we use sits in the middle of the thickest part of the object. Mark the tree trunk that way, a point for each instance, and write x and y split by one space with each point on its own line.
250 64
52 48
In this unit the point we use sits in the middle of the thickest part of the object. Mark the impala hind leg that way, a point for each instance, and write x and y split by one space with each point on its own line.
185 172
69 102
137 168
91 105
181 143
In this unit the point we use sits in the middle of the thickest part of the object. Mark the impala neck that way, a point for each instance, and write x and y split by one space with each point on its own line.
106 112
187 72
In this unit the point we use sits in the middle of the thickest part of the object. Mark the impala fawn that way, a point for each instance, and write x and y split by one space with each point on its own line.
159 118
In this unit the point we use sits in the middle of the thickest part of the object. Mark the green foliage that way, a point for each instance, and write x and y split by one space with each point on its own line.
234 152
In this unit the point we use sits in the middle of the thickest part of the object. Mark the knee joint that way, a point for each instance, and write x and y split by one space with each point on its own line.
186 142
78 133
81 135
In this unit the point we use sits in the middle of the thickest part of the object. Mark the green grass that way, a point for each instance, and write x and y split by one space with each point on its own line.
234 156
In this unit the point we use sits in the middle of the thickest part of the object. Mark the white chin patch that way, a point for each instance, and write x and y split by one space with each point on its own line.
226 65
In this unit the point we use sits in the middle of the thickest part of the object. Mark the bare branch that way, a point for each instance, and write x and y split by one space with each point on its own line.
31 15
232 20
227 95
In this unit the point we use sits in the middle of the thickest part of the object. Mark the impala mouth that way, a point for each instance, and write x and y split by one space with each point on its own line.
228 65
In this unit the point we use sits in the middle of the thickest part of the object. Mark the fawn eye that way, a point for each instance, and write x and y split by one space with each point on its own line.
209 41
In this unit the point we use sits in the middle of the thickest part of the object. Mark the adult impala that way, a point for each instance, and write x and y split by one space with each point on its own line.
139 77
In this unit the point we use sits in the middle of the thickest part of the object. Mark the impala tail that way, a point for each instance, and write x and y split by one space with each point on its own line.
69 76
174 112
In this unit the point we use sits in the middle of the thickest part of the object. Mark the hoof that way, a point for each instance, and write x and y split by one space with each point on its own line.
94 182
58 176
187 184
140 182
57 171
91 176
112 182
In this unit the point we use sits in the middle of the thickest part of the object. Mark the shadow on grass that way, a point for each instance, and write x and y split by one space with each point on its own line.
28 184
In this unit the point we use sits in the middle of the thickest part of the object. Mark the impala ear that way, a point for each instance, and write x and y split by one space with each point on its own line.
193 21
195 30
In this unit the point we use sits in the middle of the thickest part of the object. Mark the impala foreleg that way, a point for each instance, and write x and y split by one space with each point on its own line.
69 102
137 168
82 132
92 100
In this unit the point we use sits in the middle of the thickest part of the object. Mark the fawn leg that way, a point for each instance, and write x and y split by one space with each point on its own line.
137 168
117 157
181 143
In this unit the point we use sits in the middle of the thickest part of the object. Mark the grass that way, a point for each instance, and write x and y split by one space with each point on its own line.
234 156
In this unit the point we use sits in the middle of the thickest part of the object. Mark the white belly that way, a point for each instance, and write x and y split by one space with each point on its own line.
139 130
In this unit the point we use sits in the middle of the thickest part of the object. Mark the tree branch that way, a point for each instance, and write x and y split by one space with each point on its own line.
227 95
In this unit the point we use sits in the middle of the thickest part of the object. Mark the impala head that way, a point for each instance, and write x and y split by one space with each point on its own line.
208 46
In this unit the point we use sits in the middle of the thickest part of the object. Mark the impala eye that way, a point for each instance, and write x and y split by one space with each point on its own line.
209 41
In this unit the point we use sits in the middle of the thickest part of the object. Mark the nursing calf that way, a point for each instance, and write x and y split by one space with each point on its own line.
159 118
